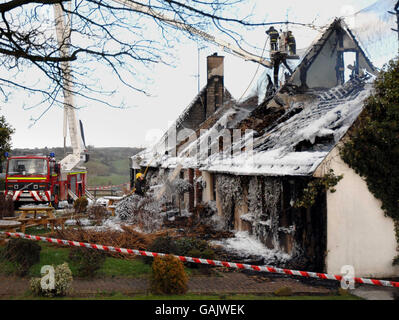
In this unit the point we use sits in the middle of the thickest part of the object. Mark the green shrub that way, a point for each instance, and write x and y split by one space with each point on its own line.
168 276
80 204
185 245
97 213
88 261
63 281
195 248
196 253
189 247
208 254
164 244
24 253
315 187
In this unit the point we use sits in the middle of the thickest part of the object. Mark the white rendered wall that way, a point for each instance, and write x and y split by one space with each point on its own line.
358 233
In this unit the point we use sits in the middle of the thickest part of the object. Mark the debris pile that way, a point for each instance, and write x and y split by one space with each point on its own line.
178 186
145 212
128 237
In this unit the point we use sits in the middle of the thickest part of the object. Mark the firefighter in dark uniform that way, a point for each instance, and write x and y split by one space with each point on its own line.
140 185
274 35
291 43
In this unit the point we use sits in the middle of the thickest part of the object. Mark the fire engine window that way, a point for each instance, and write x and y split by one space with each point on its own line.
73 183
27 167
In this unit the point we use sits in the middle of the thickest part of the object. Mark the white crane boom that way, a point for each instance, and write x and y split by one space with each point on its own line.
63 37
181 25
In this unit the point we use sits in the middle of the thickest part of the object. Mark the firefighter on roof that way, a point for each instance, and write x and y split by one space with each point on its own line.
291 43
274 35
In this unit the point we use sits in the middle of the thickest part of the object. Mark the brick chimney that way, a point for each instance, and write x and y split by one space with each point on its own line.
215 85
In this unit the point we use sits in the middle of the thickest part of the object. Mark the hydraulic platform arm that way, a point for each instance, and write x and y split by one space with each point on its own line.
77 157
229 48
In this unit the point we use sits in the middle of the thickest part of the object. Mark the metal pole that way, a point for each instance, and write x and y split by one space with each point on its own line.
397 20
198 66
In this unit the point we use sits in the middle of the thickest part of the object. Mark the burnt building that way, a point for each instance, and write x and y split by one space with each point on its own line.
253 161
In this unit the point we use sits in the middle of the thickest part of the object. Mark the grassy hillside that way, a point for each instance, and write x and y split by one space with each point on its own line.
107 166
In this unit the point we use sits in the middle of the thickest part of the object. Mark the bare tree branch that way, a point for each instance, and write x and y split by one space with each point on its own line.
106 35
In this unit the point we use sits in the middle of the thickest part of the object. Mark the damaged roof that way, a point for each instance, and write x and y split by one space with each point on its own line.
294 130
301 139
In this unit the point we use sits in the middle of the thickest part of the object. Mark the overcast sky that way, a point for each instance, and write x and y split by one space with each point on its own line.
173 88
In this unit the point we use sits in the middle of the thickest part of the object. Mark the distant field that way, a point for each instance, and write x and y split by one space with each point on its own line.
113 179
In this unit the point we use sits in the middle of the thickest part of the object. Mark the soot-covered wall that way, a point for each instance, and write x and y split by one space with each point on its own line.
264 207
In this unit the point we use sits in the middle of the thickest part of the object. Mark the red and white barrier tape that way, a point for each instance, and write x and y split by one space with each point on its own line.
306 274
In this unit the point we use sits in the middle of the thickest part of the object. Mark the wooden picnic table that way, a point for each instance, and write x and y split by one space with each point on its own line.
9 225
112 203
49 211
33 216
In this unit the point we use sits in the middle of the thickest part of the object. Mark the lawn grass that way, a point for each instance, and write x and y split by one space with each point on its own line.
53 255
50 255
191 297
114 267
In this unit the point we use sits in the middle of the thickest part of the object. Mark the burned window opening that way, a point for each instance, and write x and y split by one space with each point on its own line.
319 144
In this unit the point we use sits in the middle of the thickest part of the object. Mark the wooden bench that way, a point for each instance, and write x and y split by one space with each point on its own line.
112 201
58 221
49 211
9 225
40 217
112 209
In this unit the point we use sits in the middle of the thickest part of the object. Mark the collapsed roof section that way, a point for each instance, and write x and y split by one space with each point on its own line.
297 142
326 62
293 130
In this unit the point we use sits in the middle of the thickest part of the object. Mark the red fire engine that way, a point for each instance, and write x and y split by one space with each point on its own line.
39 179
